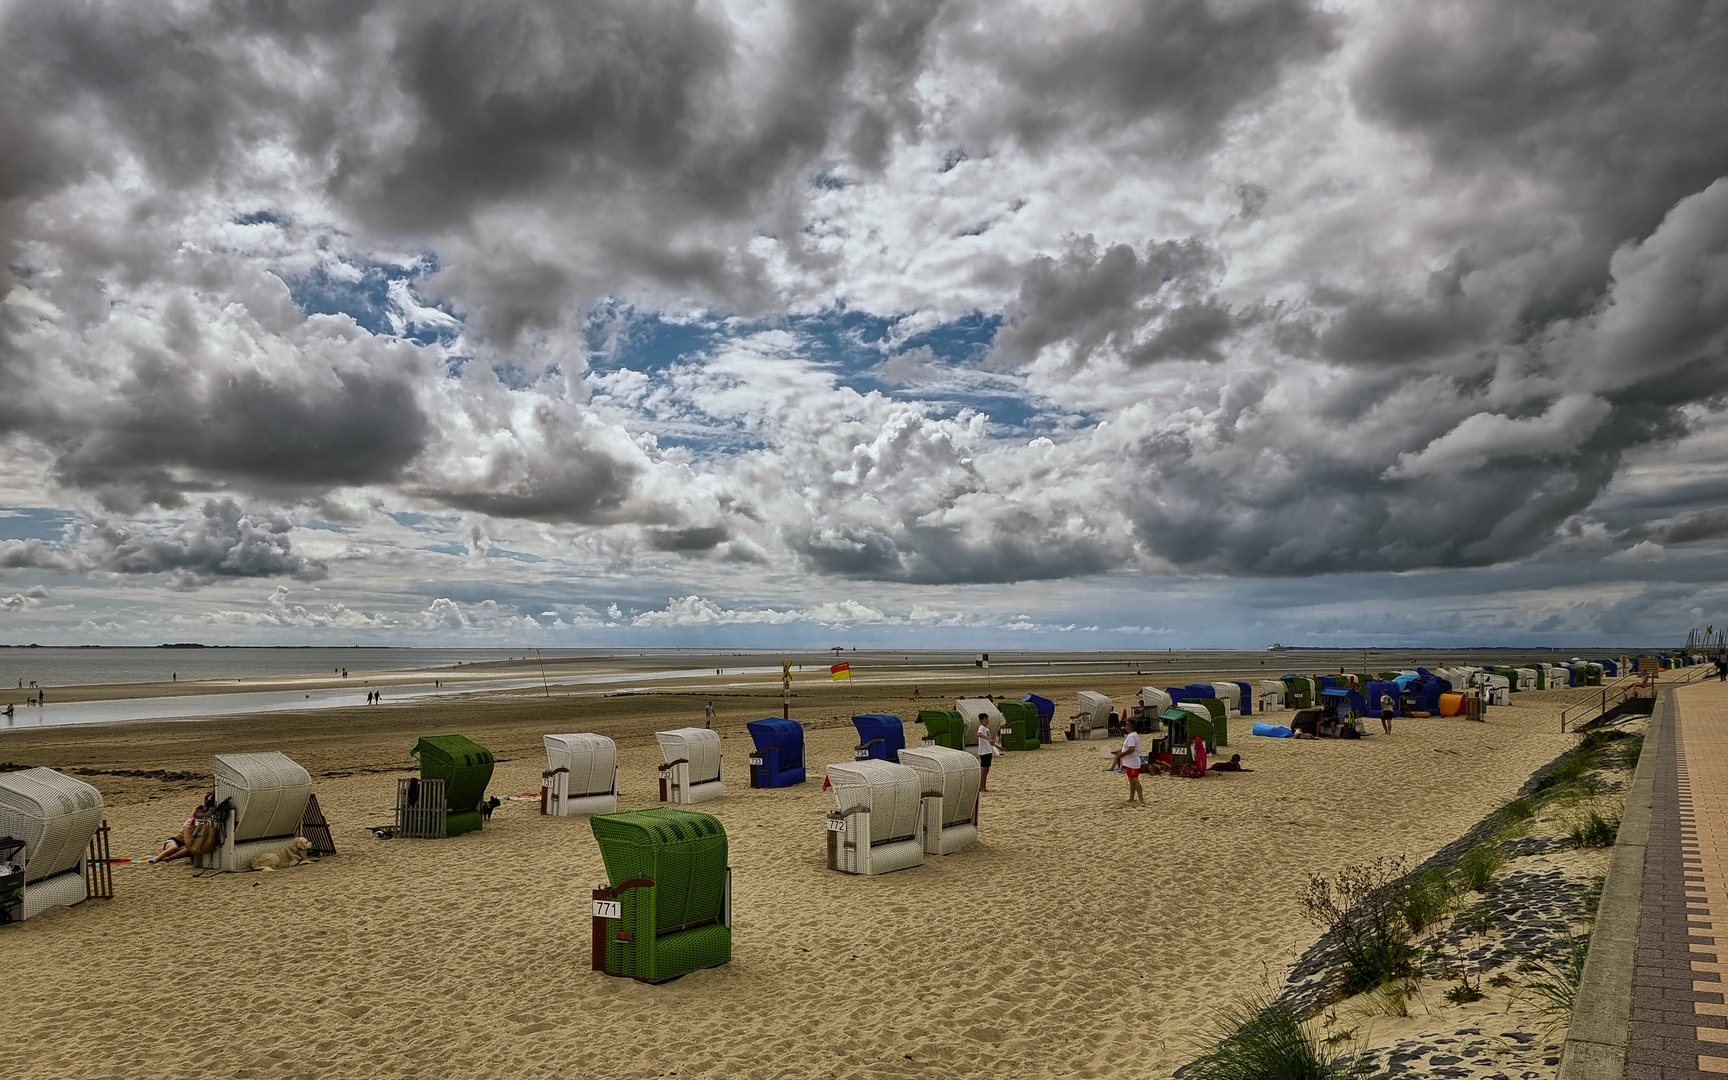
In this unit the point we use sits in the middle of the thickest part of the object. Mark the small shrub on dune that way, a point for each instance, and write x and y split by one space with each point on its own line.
1259 1039
1592 828
1363 907
1427 899
1477 868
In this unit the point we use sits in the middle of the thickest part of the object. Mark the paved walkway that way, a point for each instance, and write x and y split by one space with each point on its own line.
1679 1015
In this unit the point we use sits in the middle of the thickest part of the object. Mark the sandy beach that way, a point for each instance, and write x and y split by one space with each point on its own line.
1080 938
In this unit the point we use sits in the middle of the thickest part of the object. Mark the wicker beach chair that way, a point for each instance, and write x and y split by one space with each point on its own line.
465 767
261 801
1020 728
880 737
667 910
690 772
581 775
969 708
55 816
778 760
1271 696
1094 719
949 785
874 828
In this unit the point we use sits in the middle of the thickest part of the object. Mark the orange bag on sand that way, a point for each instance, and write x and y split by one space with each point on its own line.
1451 704
1423 715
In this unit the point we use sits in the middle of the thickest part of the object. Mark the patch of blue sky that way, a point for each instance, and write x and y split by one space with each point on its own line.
621 337
447 549
411 518
33 522
325 526
261 217
380 297
506 553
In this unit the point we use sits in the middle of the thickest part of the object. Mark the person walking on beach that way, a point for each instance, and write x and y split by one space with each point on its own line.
987 749
1129 759
1386 711
708 715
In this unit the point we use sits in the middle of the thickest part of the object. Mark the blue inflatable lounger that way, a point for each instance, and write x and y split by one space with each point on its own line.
880 737
779 757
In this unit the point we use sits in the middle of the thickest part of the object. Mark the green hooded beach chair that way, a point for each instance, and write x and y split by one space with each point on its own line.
466 768
667 910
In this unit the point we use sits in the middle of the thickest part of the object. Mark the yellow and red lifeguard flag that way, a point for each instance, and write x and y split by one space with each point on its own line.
841 671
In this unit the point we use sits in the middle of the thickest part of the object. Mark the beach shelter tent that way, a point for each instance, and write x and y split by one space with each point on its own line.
671 880
581 775
779 757
969 708
944 727
261 801
55 816
1020 727
880 737
878 808
1245 696
690 765
1271 695
1046 713
465 767
1093 721
949 786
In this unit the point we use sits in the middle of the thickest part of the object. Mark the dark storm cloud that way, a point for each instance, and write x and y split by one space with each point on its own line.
352 429
1186 64
1020 546
1144 308
225 541
695 539
1618 106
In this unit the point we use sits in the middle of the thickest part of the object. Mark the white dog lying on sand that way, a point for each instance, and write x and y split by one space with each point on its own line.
282 858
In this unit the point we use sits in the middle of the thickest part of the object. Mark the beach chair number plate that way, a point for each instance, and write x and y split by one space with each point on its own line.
755 761
836 825
860 755
608 909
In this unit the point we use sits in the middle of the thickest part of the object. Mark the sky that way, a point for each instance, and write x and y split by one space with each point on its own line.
1140 325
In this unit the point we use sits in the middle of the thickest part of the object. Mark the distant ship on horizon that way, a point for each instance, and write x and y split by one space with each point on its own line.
1275 647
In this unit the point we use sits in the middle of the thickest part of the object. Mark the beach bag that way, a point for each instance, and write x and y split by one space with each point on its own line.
206 836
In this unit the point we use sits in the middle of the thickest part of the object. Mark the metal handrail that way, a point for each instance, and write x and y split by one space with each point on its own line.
1625 685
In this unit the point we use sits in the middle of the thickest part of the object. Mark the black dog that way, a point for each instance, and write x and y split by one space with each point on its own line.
488 806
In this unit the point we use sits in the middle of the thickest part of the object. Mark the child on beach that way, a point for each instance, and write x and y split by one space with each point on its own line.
987 749
1129 758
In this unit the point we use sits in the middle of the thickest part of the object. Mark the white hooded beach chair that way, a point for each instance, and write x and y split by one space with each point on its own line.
1153 700
874 827
970 708
265 798
581 775
691 769
949 786
1230 694
1271 696
1094 719
55 815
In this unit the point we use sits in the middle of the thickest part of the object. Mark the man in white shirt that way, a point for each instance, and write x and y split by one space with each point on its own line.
1129 758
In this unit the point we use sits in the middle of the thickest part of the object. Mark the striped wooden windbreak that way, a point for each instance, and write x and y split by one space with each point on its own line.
314 828
99 867
421 808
